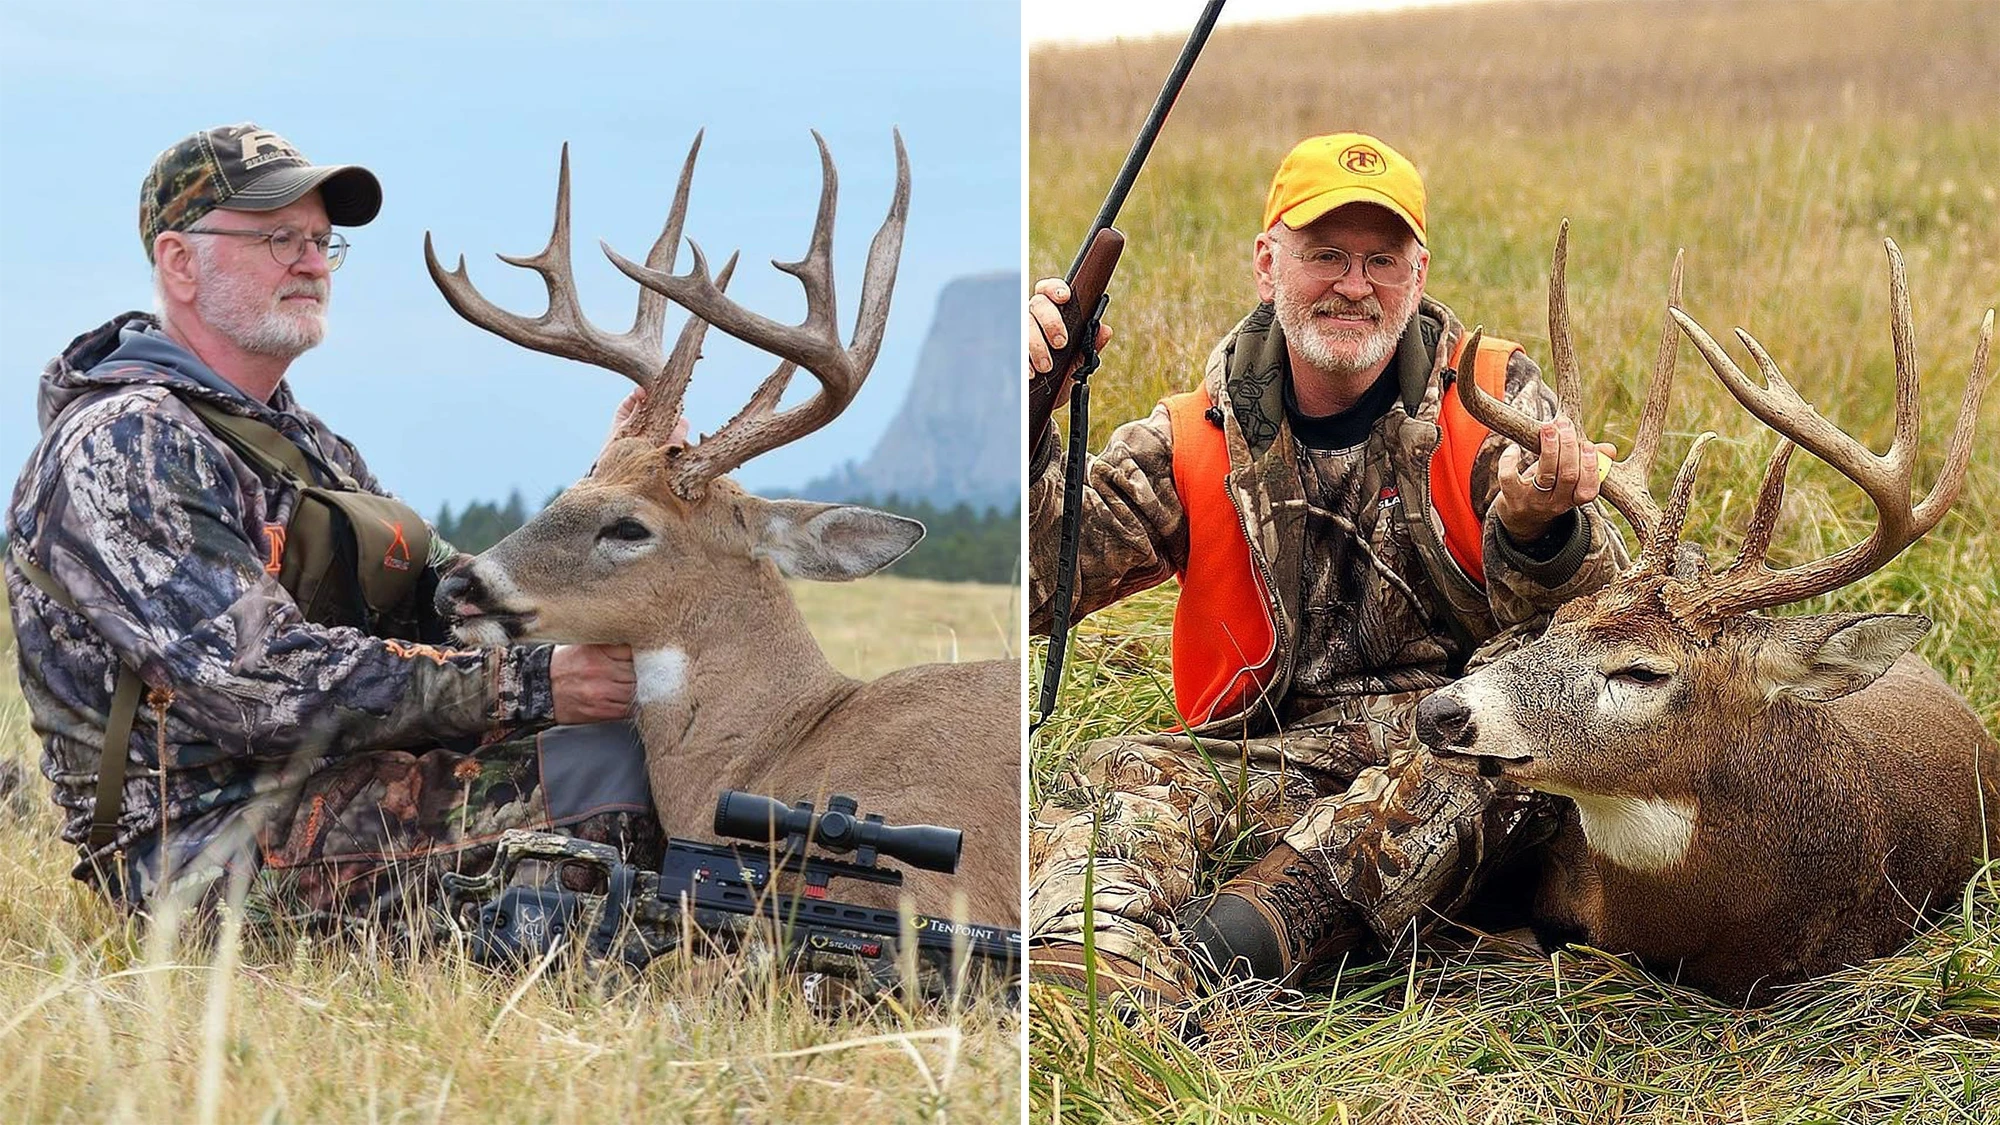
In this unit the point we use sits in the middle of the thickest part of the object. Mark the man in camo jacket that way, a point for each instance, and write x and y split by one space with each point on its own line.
1313 443
330 770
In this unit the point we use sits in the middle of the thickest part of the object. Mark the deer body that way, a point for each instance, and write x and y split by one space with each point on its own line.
794 728
1816 834
1757 800
658 549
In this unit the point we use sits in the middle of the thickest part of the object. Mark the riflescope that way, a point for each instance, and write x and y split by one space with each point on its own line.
748 816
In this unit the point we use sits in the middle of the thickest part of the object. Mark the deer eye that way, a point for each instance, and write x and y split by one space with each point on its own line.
1640 674
627 529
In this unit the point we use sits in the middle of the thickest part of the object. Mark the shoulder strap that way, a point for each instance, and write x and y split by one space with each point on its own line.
262 445
104 811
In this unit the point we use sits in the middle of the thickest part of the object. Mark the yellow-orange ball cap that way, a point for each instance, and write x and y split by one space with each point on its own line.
1322 173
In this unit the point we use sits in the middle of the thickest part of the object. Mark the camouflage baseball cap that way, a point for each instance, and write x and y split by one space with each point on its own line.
246 168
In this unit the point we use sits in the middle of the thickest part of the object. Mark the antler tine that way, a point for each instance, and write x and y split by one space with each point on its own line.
1764 516
878 281
815 270
814 344
1503 418
1958 455
651 322
1653 416
666 398
562 330
1886 479
1658 553
1625 487
1562 345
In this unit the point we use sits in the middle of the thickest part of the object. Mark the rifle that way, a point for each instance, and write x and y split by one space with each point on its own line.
1088 277
769 895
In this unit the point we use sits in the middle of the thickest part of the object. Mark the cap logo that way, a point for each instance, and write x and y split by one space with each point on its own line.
264 146
1363 160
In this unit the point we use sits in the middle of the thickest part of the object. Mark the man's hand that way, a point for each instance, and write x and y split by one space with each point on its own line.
1045 327
1565 474
624 414
1045 336
593 683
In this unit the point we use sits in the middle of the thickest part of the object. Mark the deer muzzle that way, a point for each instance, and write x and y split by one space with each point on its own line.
475 602
1447 728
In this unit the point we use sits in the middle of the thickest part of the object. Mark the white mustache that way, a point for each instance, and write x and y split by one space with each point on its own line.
315 289
1342 307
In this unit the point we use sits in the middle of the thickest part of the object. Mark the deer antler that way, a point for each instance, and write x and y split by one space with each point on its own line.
1625 486
1750 583
814 344
562 330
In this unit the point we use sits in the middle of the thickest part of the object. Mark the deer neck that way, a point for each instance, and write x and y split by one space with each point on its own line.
1726 780
1649 835
737 677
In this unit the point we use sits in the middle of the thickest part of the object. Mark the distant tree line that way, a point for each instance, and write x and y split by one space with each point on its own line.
482 523
961 544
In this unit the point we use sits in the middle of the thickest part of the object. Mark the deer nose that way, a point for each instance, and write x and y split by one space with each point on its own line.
459 587
1444 720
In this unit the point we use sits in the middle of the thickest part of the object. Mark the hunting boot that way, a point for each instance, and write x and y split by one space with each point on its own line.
1118 978
1276 921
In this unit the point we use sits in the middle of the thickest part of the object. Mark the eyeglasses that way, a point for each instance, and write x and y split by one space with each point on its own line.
288 245
1330 263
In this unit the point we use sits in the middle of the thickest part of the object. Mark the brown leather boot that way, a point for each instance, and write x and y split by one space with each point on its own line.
1275 921
1118 978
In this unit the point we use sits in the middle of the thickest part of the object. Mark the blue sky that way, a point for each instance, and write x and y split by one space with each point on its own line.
461 108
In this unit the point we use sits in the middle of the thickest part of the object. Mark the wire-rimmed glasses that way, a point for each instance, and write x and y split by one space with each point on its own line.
1331 263
288 245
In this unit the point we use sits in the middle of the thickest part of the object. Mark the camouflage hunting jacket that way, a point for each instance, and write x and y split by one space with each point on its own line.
161 535
1134 532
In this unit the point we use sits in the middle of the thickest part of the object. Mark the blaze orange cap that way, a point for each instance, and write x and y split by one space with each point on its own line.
1322 173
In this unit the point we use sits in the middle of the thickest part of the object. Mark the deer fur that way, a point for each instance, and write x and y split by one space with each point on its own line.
1756 802
734 692
658 550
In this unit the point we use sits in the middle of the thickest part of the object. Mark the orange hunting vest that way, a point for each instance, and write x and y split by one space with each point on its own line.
1225 646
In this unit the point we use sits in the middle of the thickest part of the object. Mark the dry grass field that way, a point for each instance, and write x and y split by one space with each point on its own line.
1779 144
101 1023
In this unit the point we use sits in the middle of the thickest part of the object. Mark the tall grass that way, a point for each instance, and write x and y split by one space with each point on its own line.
100 1021
1778 144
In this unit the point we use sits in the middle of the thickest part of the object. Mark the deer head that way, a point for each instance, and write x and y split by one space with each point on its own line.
657 534
1632 690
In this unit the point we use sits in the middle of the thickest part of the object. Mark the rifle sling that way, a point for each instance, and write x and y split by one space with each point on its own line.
1072 517
110 799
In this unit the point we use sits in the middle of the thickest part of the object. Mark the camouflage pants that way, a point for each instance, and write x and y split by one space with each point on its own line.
1349 787
360 844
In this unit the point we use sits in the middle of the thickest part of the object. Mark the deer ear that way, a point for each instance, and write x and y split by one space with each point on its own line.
831 542
1828 655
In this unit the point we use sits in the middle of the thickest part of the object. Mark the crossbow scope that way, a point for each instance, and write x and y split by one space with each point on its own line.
748 816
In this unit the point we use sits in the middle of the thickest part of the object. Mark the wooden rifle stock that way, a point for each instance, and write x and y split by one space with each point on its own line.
1086 288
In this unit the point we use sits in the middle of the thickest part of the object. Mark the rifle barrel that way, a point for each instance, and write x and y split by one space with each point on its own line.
1150 131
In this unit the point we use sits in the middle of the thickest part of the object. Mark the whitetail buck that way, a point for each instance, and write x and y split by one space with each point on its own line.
658 550
1757 799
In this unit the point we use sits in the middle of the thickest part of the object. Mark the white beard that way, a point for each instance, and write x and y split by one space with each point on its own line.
1341 351
260 324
